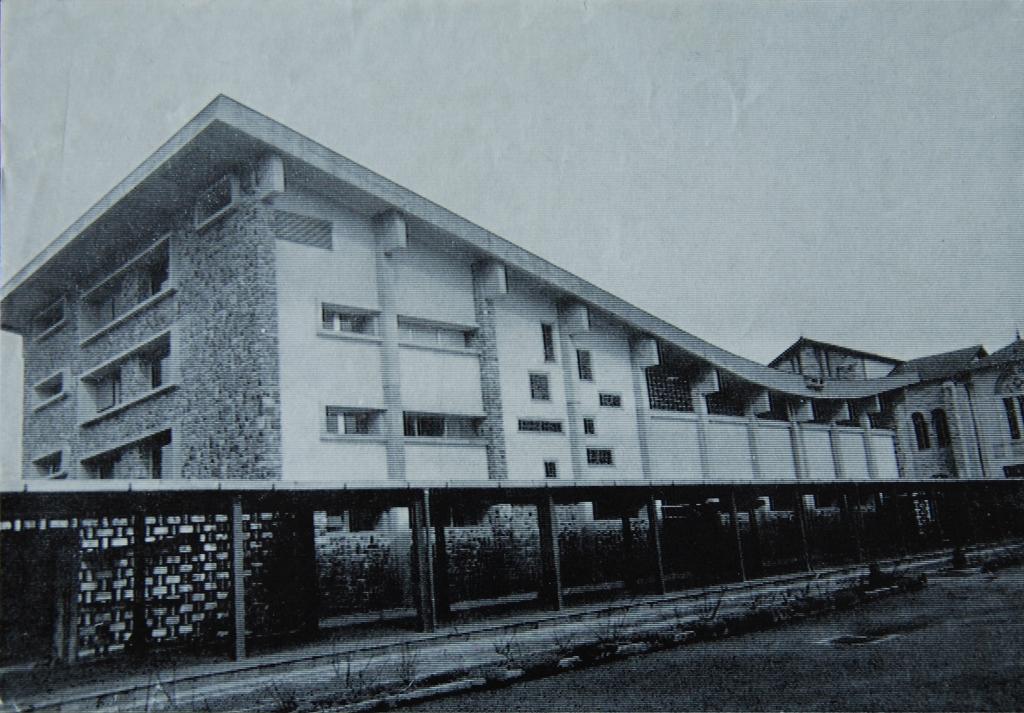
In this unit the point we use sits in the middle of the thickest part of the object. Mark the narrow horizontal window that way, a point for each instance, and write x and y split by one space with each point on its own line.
609 400
536 426
417 425
352 422
432 335
600 456
340 319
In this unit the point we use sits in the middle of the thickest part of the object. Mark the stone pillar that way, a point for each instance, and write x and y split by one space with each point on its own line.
237 580
734 521
489 283
551 566
423 585
442 596
390 233
654 545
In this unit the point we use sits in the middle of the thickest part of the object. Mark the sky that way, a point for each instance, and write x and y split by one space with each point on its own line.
752 172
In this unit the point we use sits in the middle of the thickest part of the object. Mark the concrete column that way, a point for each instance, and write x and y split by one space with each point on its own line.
837 454
237 579
758 403
442 596
389 230
796 434
654 545
570 382
642 354
424 591
551 566
139 642
66 567
800 512
734 521
850 506
305 534
869 445
700 409
756 557
629 577
963 444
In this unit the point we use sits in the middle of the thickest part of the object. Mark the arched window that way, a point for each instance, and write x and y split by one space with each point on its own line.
941 426
921 431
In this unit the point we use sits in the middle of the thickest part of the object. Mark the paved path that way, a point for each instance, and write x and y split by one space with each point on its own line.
956 645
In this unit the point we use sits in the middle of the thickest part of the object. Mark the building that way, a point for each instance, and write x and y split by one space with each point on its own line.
252 340
961 418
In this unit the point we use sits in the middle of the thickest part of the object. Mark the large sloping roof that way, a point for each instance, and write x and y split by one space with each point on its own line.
941 366
226 133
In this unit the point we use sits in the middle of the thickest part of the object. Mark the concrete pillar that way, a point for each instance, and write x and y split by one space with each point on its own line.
654 545
800 513
237 579
389 231
851 506
305 534
796 436
66 567
643 353
139 641
629 577
442 595
424 590
570 382
734 521
755 557
700 409
551 566
869 444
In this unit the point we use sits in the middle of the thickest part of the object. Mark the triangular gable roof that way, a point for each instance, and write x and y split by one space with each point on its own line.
226 131
802 341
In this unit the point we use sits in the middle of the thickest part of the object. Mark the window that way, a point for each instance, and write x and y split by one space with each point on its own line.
419 426
668 390
50 318
49 389
108 390
540 388
351 422
1011 418
157 367
339 319
50 466
589 427
156 448
104 468
159 276
941 426
600 456
431 335
550 469
921 432
584 365
535 426
547 333
105 307
609 400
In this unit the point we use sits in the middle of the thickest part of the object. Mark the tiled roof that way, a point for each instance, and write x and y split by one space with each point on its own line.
938 366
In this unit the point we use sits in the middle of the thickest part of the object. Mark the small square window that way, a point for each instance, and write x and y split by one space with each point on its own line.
588 427
584 365
610 400
540 388
550 469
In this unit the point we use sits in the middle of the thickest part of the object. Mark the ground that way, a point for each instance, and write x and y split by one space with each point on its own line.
956 645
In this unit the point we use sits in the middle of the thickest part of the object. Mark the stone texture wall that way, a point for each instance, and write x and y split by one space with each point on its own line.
228 406
225 412
490 380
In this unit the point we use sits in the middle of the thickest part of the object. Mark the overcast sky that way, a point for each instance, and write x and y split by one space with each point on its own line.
752 172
